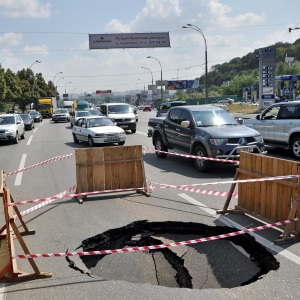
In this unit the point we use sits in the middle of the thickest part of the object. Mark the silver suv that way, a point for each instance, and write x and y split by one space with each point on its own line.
12 128
279 125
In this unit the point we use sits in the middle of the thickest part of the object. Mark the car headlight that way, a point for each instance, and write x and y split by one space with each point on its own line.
100 135
10 130
259 139
218 142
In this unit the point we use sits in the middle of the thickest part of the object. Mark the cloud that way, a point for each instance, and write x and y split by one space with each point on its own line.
116 26
219 12
11 39
40 50
24 9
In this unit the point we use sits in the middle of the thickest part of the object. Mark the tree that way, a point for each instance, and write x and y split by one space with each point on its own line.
3 88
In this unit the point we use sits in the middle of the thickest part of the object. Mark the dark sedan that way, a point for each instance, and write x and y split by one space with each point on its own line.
28 121
37 117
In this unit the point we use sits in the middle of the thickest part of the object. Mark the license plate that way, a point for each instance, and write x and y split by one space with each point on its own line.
246 149
112 139
124 126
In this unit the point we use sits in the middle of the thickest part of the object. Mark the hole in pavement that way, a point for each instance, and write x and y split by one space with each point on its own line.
223 263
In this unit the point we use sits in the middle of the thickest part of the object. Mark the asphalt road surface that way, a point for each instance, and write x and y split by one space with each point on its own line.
235 268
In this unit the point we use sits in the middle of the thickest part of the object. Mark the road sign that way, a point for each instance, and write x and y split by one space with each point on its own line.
286 90
162 83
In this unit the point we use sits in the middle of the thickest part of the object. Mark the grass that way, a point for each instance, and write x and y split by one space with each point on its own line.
243 108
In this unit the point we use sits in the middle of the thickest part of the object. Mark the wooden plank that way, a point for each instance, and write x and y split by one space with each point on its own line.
128 155
107 160
139 167
81 176
89 169
99 170
257 185
274 189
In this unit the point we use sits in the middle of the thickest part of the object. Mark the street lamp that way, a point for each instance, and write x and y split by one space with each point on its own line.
149 71
58 81
66 85
143 82
290 29
56 75
35 62
161 89
201 32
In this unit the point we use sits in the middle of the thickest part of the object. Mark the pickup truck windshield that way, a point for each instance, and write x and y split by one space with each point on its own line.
119 109
213 118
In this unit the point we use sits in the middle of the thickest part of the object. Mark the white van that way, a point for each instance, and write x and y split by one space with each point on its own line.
120 113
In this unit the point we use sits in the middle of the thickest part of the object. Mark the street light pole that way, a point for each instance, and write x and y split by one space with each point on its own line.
149 71
143 82
152 81
66 86
161 89
35 62
58 81
201 32
55 77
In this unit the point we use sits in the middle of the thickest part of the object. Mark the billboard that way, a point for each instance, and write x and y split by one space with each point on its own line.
129 40
182 84
103 92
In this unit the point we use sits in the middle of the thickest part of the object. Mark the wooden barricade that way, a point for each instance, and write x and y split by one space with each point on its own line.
270 201
112 169
10 231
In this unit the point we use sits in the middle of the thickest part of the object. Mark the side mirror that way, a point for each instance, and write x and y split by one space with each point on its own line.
258 117
240 120
185 124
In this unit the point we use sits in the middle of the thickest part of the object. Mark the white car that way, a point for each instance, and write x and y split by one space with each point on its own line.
79 114
61 115
97 130
12 128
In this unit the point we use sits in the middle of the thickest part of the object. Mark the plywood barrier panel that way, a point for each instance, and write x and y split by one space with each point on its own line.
269 199
109 168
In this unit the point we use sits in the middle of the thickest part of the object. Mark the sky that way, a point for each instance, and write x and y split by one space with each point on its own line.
56 33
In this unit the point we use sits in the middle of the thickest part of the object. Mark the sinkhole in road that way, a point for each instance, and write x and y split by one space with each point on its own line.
222 263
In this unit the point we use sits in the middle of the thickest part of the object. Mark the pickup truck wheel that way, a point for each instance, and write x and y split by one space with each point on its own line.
201 165
159 145
295 147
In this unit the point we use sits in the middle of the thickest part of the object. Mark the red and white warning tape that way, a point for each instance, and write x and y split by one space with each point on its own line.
59 196
41 163
195 156
153 247
36 207
151 188
230 181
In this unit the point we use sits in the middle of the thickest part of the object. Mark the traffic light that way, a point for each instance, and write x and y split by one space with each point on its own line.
290 29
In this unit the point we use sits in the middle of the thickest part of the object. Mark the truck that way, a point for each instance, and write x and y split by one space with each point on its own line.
203 131
81 105
69 104
46 106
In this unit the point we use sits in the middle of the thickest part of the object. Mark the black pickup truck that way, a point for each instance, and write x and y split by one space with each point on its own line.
203 130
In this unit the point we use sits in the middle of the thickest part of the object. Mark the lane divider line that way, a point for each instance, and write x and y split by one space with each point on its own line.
18 179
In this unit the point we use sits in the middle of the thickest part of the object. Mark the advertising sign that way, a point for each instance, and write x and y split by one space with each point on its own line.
182 84
129 40
267 65
103 92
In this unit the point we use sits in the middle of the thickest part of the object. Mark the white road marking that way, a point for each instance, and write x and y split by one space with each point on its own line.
278 250
29 140
143 133
18 179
